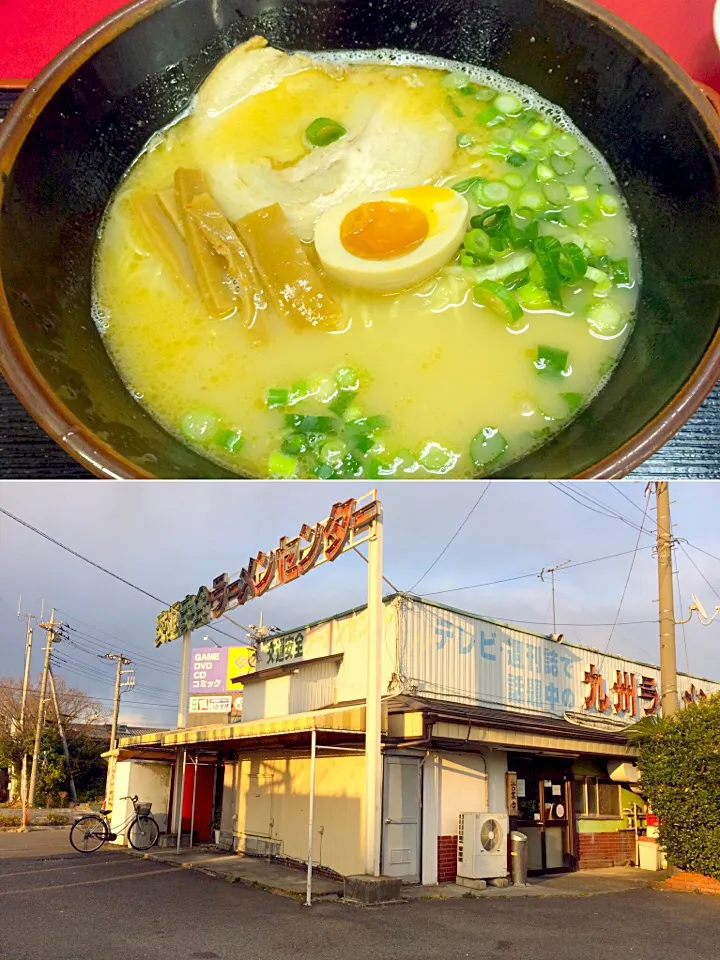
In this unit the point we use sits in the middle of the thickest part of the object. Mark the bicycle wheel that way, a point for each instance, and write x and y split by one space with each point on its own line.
143 833
88 834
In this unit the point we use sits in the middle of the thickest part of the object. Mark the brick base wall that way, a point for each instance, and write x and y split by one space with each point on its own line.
693 883
447 859
605 849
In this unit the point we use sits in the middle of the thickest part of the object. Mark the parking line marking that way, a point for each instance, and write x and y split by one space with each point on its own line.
77 863
85 883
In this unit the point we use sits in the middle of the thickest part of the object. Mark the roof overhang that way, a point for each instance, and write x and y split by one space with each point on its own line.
333 727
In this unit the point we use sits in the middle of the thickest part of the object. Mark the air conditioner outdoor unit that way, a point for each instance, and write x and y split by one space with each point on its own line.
482 845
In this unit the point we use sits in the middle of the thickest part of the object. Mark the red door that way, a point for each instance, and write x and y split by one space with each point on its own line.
204 796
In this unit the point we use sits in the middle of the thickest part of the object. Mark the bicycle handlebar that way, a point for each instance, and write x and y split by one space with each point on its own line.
134 799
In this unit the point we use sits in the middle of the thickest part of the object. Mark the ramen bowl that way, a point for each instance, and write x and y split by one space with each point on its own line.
72 135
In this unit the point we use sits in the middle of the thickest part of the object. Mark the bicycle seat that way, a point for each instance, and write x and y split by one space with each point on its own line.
106 813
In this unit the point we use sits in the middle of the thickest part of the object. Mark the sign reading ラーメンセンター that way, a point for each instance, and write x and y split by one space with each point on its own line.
292 558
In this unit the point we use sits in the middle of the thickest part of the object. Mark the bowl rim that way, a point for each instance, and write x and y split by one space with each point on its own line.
101 459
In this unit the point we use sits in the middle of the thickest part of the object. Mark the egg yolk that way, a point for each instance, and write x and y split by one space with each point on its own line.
383 230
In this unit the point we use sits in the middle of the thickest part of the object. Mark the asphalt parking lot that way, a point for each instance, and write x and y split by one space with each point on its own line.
55 903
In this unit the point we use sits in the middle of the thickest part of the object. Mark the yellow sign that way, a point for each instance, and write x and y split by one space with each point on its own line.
238 664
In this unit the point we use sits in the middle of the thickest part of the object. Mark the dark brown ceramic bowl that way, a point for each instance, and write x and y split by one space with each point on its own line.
74 132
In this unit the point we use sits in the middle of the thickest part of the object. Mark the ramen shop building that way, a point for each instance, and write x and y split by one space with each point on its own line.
485 728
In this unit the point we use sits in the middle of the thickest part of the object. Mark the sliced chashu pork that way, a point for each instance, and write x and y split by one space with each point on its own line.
383 147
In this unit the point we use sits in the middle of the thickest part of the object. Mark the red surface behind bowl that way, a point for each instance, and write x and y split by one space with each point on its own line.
33 31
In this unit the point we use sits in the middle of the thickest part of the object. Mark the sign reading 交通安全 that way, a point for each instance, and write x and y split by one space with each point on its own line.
292 558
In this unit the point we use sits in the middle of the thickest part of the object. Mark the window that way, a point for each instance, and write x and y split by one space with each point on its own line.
595 797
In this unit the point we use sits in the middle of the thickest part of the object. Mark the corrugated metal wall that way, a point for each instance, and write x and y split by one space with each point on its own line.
314 686
456 657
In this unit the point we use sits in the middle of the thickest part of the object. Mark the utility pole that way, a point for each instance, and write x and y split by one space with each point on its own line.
551 571
66 752
28 652
51 626
668 664
121 662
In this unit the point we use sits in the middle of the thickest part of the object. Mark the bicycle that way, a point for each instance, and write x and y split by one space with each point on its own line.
91 831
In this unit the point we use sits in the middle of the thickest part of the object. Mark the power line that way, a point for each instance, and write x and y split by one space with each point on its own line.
699 570
452 538
627 581
680 605
526 576
110 573
594 505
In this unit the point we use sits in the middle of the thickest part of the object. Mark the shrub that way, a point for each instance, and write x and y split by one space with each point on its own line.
57 820
8 821
679 759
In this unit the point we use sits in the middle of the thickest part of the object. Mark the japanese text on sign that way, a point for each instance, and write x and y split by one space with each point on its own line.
291 559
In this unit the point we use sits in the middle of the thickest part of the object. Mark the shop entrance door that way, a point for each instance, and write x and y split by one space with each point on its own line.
401 819
545 818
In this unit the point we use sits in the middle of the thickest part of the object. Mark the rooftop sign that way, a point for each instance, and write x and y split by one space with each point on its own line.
349 523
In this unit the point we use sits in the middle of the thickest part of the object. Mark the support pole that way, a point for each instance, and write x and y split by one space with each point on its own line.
180 796
668 664
183 703
311 818
66 752
26 675
373 703
50 627
192 811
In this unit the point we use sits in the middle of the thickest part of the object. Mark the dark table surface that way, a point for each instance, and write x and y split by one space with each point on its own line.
26 452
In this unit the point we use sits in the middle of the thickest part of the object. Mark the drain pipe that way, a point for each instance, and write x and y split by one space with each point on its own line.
181 797
192 811
311 814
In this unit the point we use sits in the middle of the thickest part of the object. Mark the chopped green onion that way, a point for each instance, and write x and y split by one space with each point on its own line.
199 426
597 246
347 378
367 425
494 221
333 451
477 242
563 143
494 192
608 204
606 319
600 279
514 180
484 94
467 259
487 446
540 130
516 280
516 159
276 397
544 248
464 140
437 459
325 472
309 424
519 145
544 172
282 466
621 272
562 165
532 296
501 150
507 104
298 392
553 216
363 443
342 401
489 116
455 80
324 131
454 107
294 444
324 389
352 414
573 400
556 193
532 199
496 296
551 361
578 191
589 171
464 186
572 265
230 440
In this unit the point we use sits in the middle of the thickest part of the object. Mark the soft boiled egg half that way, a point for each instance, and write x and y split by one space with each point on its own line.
393 239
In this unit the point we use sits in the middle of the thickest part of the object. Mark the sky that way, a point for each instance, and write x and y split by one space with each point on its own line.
170 538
